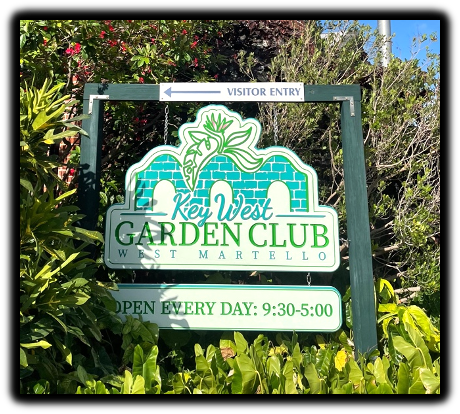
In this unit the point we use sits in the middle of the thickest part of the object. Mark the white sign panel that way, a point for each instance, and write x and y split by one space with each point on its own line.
233 91
233 307
219 202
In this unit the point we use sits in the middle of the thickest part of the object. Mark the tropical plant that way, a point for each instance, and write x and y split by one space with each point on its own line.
60 327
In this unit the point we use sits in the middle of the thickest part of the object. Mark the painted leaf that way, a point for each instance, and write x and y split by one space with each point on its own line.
197 136
237 138
196 160
244 159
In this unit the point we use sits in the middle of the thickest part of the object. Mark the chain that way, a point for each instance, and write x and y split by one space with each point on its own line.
275 124
308 278
166 124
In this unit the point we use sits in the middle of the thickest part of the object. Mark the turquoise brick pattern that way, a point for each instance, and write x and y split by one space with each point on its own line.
252 185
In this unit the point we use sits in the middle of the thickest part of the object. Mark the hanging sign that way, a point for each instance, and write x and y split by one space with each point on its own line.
233 91
217 202
233 307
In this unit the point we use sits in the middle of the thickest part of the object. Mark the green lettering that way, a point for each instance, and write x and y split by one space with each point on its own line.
251 235
130 235
316 235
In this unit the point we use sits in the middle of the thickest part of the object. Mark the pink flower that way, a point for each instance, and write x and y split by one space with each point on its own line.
141 79
184 32
77 47
193 45
69 51
102 35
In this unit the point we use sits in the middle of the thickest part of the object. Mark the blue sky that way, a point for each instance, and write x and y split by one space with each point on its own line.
405 30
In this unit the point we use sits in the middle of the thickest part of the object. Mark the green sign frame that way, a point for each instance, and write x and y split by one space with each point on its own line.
360 255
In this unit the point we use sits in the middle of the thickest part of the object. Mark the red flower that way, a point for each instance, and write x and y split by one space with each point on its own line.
195 62
216 76
77 47
45 28
72 171
102 35
45 41
141 79
111 28
69 51
193 45
184 32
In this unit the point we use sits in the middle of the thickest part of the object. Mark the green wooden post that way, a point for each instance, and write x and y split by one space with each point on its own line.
90 163
361 275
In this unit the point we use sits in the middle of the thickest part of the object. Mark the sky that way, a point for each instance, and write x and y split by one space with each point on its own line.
404 31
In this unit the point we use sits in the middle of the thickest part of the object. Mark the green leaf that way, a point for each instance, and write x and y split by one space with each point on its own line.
145 365
429 380
244 377
288 373
22 358
403 379
312 378
379 372
241 343
405 348
39 344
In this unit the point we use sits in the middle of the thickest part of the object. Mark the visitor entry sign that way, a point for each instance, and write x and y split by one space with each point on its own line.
233 91
218 202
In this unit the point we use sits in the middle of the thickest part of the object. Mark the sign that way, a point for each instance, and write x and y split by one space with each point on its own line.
233 307
217 202
233 91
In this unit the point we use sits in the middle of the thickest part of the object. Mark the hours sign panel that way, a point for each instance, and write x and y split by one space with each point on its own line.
233 307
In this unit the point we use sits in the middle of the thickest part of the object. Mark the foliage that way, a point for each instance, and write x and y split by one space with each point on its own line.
119 51
401 118
62 307
408 361
71 339
122 51
237 367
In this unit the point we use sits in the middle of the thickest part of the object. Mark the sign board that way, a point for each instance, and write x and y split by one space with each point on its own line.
218 202
233 91
233 307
